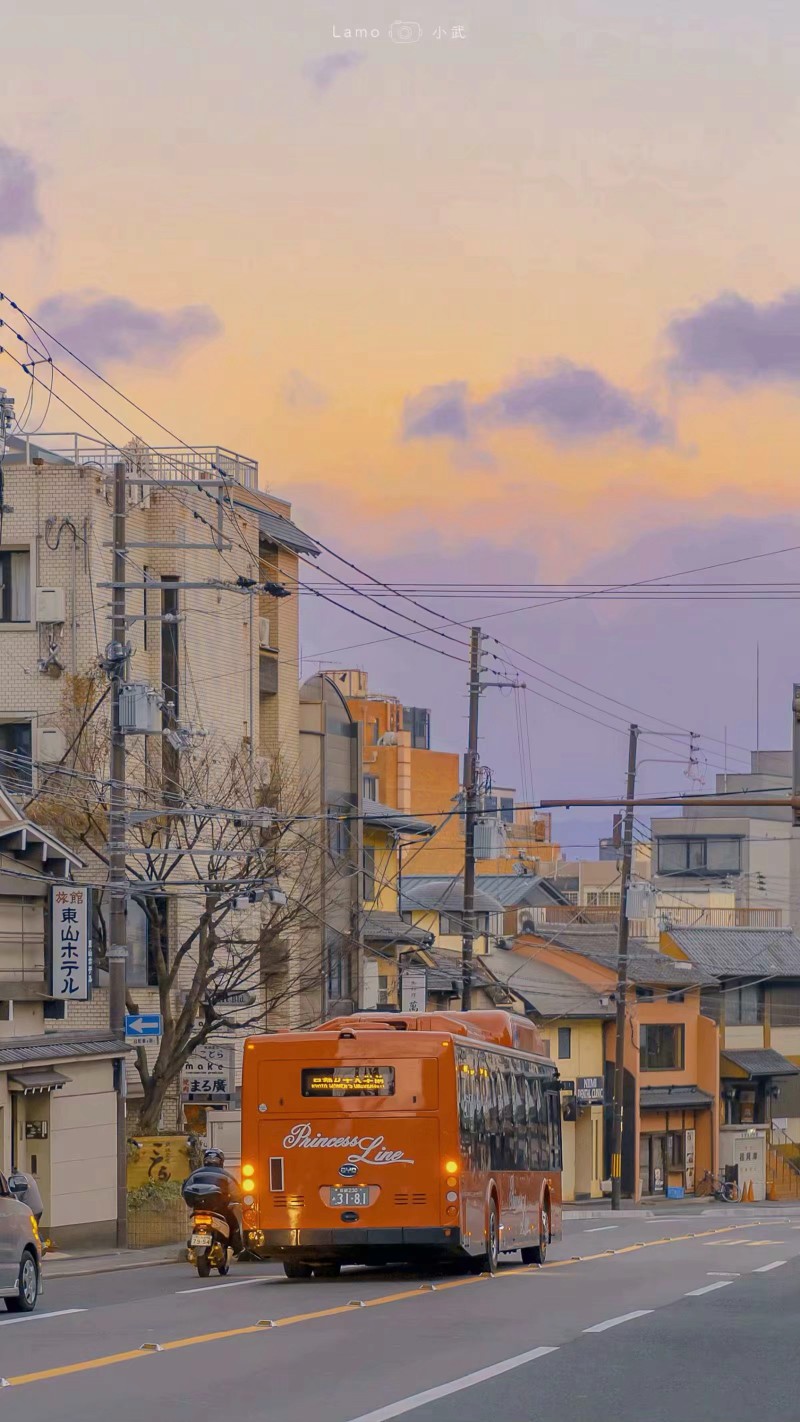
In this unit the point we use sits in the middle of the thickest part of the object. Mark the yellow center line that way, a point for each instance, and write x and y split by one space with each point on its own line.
111 1359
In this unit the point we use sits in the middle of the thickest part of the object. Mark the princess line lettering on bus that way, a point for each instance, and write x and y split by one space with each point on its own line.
370 1147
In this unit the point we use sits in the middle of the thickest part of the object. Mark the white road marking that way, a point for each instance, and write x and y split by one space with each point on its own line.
708 1288
420 1399
723 1274
598 1229
39 1317
206 1288
613 1322
765 1268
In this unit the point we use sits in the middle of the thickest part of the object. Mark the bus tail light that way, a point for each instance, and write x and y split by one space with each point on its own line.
249 1217
451 1167
276 1172
451 1196
452 1181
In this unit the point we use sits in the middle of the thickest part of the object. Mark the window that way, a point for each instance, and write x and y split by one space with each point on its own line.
699 854
368 873
744 1006
507 809
453 924
16 756
675 1150
711 1004
141 936
339 838
564 1043
784 1009
15 585
370 787
661 1046
373 732
418 721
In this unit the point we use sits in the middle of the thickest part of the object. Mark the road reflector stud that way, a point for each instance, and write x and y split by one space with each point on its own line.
265 1323
428 1288
151 1348
4 1382
355 1303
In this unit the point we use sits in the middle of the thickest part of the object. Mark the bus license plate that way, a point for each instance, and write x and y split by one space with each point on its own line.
349 1195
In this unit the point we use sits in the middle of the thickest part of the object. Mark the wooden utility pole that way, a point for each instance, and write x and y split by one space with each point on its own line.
471 812
622 973
117 879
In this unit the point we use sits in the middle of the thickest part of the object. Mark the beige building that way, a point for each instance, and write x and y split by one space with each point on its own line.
222 657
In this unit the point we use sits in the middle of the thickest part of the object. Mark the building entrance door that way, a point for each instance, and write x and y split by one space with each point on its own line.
652 1164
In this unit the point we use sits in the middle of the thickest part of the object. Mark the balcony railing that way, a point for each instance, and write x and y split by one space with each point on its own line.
679 916
165 462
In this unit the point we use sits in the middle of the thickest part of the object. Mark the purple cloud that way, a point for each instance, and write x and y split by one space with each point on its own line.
323 72
437 412
19 211
738 341
571 404
568 403
300 393
107 330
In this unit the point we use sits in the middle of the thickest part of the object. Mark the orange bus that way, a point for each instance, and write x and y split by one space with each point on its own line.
379 1138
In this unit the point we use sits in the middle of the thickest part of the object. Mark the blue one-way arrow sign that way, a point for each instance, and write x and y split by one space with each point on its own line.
143 1026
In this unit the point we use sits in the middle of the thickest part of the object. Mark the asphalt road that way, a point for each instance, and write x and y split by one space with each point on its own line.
691 1316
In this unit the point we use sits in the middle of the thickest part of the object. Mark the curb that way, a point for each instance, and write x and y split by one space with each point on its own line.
65 1271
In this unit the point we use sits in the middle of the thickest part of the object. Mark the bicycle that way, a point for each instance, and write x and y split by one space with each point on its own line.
725 1190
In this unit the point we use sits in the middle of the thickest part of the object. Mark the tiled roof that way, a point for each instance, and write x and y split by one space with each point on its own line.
674 1098
645 965
761 1061
397 820
277 529
58 1047
736 952
421 891
520 890
382 926
548 991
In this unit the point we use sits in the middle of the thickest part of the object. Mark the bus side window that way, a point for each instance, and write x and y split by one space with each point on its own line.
521 1122
554 1122
537 1125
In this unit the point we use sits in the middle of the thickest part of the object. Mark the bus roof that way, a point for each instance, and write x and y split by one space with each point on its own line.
503 1029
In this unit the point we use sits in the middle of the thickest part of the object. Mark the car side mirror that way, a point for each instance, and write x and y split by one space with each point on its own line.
18 1185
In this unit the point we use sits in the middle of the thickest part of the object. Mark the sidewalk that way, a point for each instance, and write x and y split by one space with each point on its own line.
691 1204
60 1265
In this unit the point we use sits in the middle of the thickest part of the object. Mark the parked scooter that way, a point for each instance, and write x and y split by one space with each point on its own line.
214 1198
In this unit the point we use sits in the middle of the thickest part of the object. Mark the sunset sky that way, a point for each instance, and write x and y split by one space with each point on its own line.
516 300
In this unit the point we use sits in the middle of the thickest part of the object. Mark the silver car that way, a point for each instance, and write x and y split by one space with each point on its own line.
20 1247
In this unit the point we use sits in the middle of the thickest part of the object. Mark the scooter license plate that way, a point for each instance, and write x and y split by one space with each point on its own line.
201 1241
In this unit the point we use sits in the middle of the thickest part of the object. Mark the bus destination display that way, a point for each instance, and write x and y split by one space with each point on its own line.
348 1081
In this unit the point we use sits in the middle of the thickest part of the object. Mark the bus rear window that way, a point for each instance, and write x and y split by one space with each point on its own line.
347 1081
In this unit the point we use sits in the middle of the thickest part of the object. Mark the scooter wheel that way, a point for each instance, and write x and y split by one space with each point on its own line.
203 1265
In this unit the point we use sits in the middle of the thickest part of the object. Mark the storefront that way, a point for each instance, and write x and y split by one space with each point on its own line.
675 1138
751 1084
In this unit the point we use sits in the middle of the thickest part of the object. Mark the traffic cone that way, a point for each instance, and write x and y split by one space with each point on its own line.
772 1193
749 1192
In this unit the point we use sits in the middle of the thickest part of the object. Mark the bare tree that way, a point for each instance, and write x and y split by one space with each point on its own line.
227 873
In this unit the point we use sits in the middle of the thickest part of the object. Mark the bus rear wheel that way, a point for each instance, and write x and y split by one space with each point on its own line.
296 1269
492 1256
537 1254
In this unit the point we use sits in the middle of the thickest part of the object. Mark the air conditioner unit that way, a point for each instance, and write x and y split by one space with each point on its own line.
139 710
263 632
52 744
50 605
388 739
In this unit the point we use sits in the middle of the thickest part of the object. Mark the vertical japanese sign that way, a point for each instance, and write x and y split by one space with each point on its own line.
71 975
413 990
689 1160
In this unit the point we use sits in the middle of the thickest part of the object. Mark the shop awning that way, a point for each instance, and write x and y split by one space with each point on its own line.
674 1098
756 1063
31 1082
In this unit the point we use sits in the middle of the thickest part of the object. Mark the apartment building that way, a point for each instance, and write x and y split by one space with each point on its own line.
212 633
752 852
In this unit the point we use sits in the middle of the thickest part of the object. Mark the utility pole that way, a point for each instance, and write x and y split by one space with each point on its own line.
622 973
117 879
471 793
